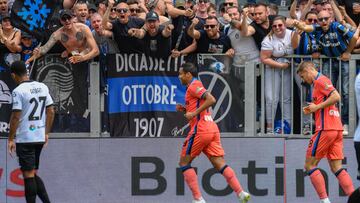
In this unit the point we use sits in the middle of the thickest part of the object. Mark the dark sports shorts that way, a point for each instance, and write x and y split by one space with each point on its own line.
29 155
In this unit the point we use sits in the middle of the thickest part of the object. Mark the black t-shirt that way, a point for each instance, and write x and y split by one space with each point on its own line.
181 25
260 32
207 45
157 46
126 43
349 9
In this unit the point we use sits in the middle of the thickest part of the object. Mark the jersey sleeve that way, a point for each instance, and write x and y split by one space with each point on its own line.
49 100
197 90
17 102
326 87
266 44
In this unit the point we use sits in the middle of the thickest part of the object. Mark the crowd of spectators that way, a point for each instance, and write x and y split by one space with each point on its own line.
162 28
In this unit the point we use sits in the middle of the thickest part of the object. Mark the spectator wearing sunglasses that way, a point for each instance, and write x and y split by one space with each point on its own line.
230 3
135 9
335 40
210 39
277 44
113 14
156 37
75 37
121 26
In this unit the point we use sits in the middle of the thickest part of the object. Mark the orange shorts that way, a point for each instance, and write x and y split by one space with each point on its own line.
209 143
327 144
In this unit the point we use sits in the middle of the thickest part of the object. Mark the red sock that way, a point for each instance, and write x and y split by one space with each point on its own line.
345 181
318 182
232 180
191 180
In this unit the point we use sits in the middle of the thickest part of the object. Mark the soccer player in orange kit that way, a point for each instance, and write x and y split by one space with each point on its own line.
328 139
204 135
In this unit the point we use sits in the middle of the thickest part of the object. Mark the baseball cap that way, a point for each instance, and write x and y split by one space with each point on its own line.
92 7
5 16
152 16
180 3
26 35
65 12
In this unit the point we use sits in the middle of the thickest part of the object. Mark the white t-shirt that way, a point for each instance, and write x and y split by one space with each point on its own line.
279 46
31 98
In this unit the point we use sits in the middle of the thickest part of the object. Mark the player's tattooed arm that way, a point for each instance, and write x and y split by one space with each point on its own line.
49 44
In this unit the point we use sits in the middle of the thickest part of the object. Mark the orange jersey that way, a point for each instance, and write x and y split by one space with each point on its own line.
194 98
329 117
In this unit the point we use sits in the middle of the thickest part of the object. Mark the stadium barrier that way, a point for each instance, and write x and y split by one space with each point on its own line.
124 170
237 84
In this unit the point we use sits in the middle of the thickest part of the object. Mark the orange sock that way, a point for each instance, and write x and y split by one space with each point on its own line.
345 181
231 178
318 182
190 178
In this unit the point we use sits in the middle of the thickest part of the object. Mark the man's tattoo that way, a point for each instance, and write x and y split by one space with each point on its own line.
79 36
49 44
64 38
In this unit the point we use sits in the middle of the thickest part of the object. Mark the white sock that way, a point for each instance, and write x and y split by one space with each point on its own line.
326 200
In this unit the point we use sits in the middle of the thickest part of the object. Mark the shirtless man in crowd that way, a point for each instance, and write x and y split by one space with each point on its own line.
75 37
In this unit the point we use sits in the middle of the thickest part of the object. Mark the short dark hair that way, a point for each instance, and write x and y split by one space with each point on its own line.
190 68
261 4
212 17
355 196
310 12
18 68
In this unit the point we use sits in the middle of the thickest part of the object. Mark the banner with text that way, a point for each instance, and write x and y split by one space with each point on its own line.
67 82
147 171
143 93
7 84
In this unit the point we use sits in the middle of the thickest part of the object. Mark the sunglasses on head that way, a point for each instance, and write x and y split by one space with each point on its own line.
312 20
229 4
122 10
209 26
134 10
278 26
324 19
203 1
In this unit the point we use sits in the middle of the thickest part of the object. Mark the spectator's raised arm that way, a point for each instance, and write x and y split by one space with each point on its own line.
192 32
106 24
336 10
246 30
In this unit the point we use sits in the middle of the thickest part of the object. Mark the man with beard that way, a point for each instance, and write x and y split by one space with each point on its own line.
210 40
75 37
156 37
260 27
121 26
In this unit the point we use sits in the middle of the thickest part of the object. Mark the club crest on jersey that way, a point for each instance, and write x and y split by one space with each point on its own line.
32 127
198 89
327 86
